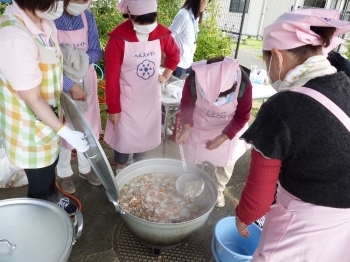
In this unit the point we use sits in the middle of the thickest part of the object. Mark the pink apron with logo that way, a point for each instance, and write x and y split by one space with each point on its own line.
298 231
208 122
140 122
79 38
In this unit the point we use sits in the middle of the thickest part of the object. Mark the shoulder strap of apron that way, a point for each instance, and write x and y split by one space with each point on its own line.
327 103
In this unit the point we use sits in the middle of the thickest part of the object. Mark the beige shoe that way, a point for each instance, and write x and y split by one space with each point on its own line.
91 177
220 201
68 185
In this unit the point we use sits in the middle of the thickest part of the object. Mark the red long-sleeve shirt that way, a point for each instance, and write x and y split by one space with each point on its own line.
238 121
114 54
260 189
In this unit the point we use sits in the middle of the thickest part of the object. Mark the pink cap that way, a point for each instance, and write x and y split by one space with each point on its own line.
122 6
292 29
216 77
138 7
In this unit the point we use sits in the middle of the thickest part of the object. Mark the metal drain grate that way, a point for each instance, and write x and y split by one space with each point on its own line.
129 249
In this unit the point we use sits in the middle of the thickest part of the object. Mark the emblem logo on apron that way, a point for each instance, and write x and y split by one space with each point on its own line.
146 69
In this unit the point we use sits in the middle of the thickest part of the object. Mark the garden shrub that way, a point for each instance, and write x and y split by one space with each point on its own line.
211 40
2 7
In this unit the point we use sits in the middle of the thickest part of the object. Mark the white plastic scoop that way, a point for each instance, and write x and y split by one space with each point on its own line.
188 185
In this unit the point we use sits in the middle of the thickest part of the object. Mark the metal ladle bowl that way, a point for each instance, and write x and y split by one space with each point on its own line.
188 185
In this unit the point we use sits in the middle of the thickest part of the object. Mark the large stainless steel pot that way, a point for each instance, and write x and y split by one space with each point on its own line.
166 234
154 234
34 230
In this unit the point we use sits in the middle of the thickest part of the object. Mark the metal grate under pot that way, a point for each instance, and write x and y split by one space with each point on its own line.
130 249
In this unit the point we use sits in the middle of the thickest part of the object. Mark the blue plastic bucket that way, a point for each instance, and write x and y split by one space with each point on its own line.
213 250
230 246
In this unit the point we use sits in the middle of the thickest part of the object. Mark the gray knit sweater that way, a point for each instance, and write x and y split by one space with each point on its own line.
312 143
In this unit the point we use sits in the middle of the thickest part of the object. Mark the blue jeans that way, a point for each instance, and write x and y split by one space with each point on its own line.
179 71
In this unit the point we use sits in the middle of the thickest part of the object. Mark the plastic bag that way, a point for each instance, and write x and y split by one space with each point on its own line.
10 175
174 89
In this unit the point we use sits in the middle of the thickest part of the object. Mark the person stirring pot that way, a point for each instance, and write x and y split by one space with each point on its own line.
215 109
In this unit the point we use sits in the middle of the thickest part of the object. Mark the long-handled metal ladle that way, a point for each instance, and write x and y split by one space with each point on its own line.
188 185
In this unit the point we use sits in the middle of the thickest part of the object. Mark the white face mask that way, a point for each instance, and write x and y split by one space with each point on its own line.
276 85
145 29
76 9
52 14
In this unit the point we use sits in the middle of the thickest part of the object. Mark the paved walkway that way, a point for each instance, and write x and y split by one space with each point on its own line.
250 58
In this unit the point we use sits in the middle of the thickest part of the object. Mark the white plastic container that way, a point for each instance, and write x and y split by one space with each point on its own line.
253 74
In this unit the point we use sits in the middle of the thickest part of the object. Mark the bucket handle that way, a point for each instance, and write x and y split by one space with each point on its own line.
211 166
78 225
8 243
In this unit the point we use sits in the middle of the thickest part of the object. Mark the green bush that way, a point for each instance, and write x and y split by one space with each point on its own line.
107 17
211 40
2 7
347 53
167 11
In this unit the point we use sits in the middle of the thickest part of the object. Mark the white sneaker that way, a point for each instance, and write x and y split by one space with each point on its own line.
220 201
169 132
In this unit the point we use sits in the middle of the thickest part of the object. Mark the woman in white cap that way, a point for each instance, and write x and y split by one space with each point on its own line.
301 145
215 109
132 56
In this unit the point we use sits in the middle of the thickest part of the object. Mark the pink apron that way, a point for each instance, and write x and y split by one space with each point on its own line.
298 231
140 123
209 120
79 38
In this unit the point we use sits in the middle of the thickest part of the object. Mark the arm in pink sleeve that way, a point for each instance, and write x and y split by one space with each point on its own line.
260 189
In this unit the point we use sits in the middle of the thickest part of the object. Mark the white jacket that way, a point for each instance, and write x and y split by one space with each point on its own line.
184 29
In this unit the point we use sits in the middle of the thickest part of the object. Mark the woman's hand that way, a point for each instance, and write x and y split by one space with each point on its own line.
242 228
184 134
77 93
114 119
161 79
213 144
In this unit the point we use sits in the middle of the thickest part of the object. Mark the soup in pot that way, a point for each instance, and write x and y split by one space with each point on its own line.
154 197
